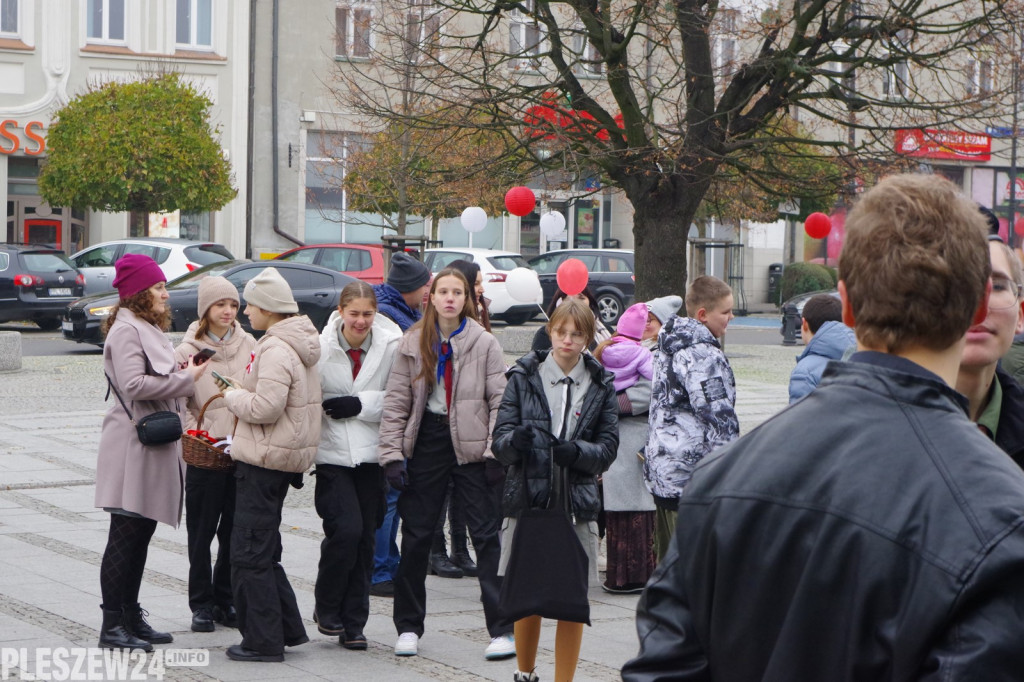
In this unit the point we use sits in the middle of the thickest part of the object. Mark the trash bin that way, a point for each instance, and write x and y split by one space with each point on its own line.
774 282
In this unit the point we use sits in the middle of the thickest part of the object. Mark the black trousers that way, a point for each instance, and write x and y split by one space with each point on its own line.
209 513
456 523
348 500
433 464
268 615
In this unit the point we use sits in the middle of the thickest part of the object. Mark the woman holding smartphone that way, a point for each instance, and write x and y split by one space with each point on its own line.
557 430
439 408
139 485
356 353
210 495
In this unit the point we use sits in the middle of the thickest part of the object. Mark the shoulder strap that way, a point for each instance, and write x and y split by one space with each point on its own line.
110 384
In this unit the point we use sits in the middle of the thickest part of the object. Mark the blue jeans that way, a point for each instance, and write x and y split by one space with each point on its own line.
385 555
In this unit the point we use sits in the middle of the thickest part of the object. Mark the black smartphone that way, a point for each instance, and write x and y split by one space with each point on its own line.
204 355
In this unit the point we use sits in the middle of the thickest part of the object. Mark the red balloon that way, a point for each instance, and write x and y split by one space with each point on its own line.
520 201
572 276
817 225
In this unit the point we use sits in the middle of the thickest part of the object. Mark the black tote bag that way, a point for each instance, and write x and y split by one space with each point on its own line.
548 570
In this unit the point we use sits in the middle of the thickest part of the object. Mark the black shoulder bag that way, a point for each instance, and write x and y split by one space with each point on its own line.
157 428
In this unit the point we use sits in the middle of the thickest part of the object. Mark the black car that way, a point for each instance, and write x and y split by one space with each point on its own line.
611 278
793 312
37 283
316 290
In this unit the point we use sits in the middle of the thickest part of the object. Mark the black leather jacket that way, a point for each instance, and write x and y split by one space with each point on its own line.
596 436
868 532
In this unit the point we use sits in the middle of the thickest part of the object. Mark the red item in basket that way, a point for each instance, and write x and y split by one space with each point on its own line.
205 435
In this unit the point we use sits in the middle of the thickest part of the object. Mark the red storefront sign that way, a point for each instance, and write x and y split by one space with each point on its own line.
944 144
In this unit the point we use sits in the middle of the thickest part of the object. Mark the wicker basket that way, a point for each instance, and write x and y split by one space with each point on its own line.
200 453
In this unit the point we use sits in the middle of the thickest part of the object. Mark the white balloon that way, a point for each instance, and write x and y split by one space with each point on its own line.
551 224
523 285
474 219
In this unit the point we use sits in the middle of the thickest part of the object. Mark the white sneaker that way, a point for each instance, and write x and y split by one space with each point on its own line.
500 647
407 644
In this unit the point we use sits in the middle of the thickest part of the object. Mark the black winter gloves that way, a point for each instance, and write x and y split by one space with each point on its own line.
522 438
342 407
565 454
398 477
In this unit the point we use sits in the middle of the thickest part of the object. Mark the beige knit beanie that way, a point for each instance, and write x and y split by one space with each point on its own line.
269 291
213 289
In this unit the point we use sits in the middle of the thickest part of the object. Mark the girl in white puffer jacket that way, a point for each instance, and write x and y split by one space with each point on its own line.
357 351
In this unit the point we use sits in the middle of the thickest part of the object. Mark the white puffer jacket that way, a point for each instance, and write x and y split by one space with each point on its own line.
353 441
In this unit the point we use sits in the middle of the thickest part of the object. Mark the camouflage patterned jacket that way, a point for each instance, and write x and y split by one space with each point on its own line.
692 405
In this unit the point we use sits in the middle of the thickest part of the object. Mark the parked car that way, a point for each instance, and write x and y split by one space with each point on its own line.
793 312
611 278
316 290
494 266
362 261
36 283
175 257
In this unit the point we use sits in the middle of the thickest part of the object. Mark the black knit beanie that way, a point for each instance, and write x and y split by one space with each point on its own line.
407 274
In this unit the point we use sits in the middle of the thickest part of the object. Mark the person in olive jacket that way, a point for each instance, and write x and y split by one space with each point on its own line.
533 409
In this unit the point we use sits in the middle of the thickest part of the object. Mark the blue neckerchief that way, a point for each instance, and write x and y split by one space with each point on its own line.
442 357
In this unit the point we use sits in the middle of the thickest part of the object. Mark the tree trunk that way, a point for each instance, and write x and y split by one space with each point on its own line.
661 223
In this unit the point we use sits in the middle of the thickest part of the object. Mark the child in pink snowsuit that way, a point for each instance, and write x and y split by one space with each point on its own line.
622 355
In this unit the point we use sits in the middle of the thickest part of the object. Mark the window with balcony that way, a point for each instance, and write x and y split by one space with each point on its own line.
194 24
353 24
105 22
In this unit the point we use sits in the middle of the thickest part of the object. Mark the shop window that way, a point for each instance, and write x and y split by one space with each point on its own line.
105 21
194 24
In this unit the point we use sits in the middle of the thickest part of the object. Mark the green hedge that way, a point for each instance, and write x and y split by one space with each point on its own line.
801 278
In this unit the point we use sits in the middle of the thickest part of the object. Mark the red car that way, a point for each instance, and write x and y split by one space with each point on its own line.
362 261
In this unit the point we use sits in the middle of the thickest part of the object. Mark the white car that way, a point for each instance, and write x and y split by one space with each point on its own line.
175 257
494 266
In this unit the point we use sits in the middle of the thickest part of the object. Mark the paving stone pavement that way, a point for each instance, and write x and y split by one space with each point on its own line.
52 540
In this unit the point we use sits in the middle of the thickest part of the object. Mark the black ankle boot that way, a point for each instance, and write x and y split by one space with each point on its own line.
114 636
441 566
461 558
135 623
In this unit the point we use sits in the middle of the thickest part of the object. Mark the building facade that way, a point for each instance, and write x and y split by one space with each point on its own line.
52 50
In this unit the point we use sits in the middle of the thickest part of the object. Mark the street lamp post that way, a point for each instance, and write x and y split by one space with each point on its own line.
1011 228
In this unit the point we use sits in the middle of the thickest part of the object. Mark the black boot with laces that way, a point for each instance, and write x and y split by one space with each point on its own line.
136 624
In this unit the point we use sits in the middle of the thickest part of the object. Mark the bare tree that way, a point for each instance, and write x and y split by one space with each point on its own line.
661 97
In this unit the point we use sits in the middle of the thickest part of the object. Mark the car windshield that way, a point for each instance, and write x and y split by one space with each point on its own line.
299 256
47 262
205 254
508 262
191 280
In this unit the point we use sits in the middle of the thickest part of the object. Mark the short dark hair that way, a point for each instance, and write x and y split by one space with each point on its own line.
822 308
915 263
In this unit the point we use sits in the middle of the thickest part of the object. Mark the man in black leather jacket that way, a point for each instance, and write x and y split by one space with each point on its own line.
870 531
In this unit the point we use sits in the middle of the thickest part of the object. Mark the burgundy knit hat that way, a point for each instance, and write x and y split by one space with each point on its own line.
136 273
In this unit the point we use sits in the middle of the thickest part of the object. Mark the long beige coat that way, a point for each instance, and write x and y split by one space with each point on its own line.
479 383
231 359
278 405
145 479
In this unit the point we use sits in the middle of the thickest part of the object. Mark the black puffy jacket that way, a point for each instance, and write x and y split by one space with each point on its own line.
870 532
596 436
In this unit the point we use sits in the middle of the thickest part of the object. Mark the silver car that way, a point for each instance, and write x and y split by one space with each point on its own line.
175 257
